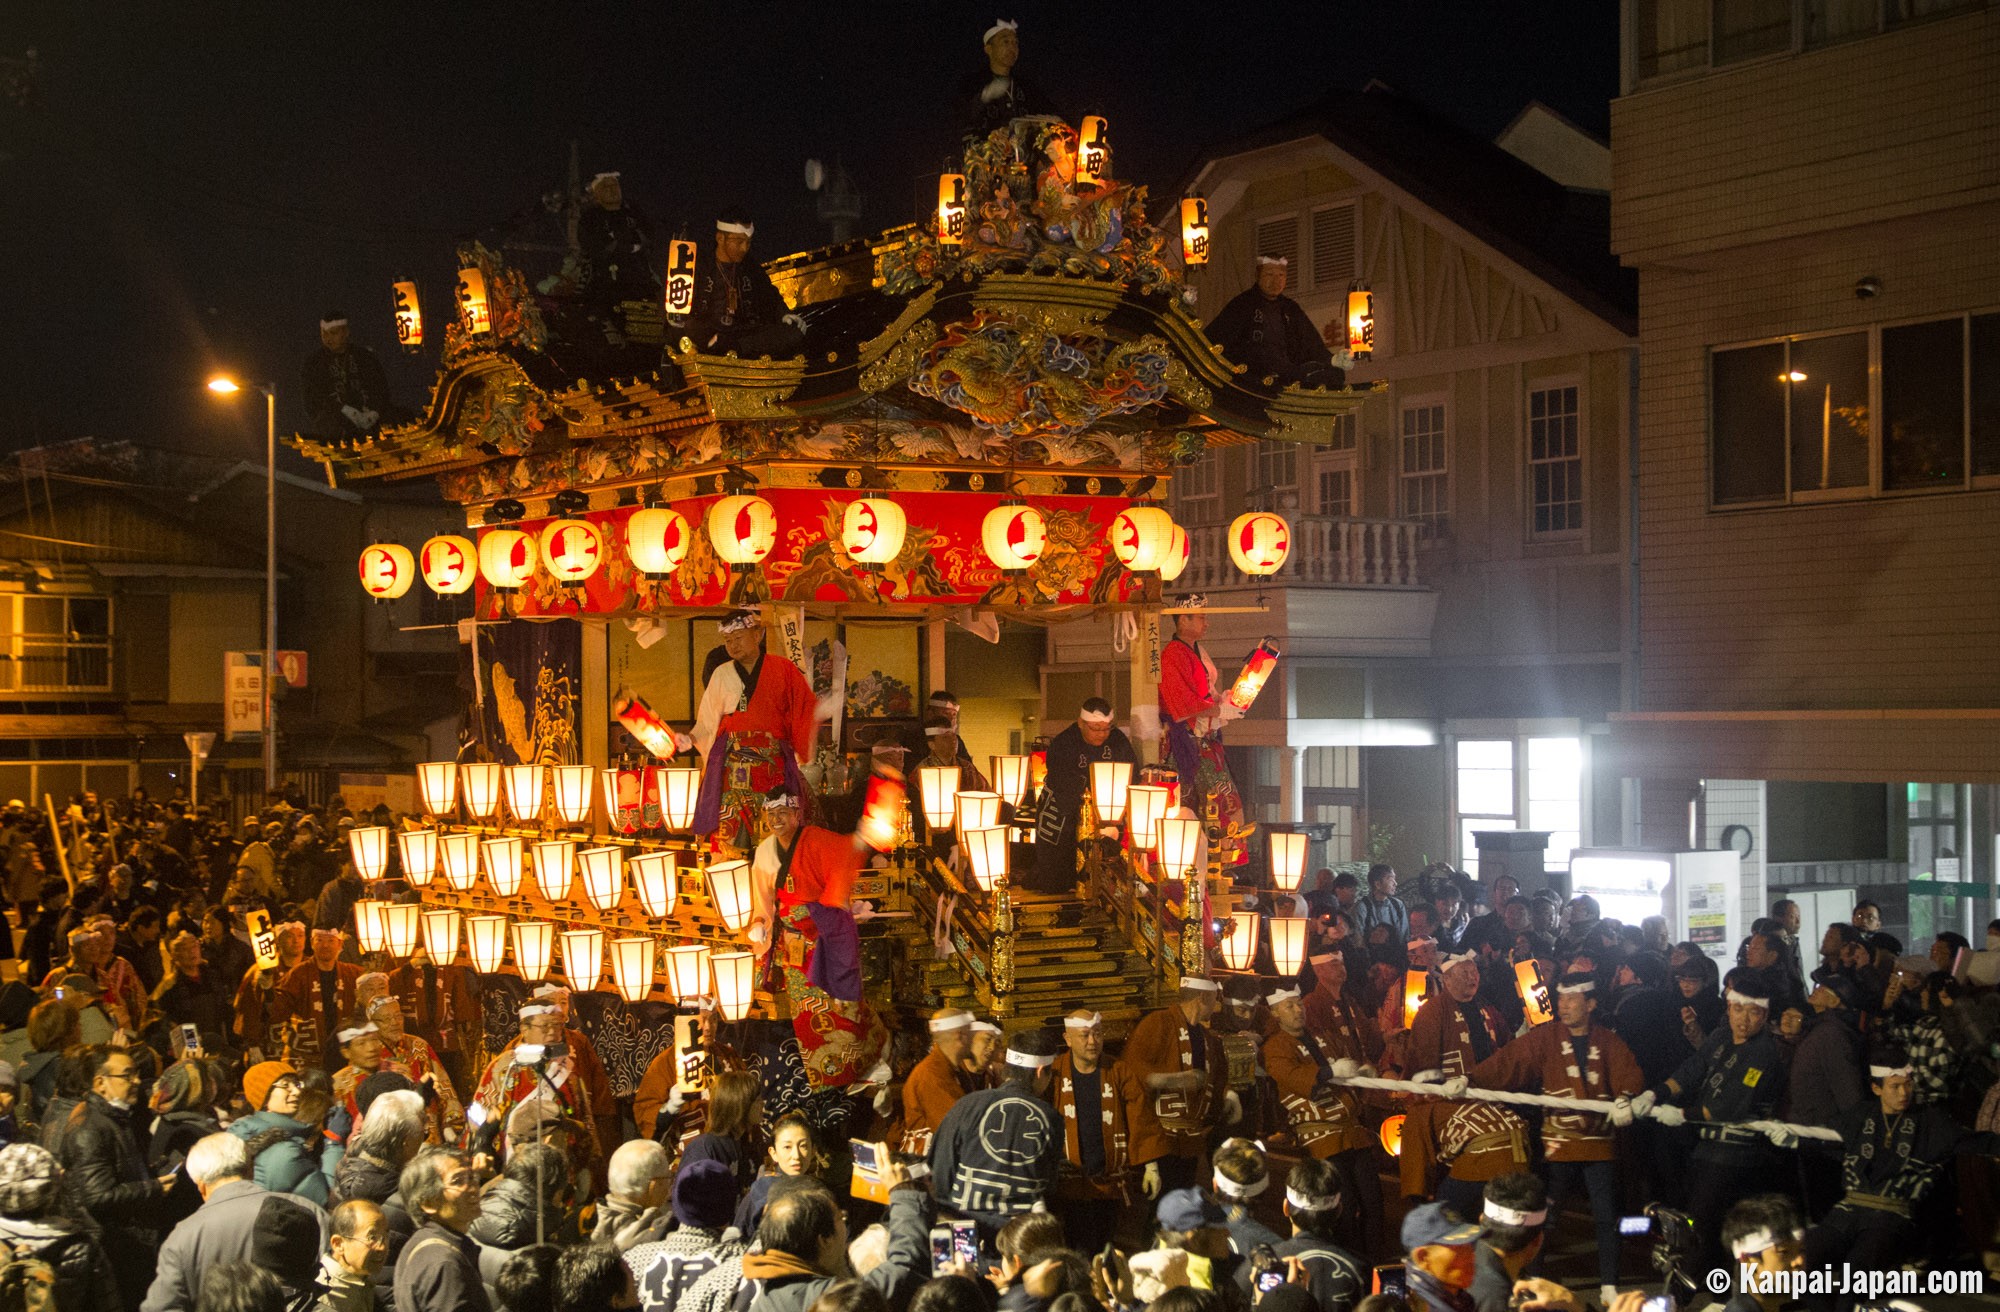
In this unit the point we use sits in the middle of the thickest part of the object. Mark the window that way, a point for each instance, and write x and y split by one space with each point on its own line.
1555 795
1345 430
1425 482
1985 357
1745 29
57 644
1826 381
1336 492
1333 246
1201 490
1790 418
1836 20
1485 791
1280 238
1277 465
1555 460
1670 35
1923 405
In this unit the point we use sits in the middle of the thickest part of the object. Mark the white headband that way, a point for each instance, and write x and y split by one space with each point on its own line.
551 991
349 1036
1093 717
985 1027
1197 982
1307 1203
1753 1243
1273 259
958 1020
1015 1057
939 732
780 802
1228 1188
1004 25
1282 995
1089 1022
1746 1000
1508 1216
1588 986
602 176
740 229
376 1004
332 323
1457 960
1884 1072
1418 942
534 1009
1318 957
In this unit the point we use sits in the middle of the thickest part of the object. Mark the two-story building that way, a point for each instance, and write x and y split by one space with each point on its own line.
1453 613
1810 195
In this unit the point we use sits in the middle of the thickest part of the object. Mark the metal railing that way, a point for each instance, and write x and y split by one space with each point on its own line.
1329 551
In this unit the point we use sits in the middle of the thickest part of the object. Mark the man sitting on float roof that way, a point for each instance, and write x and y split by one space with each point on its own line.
736 308
1268 331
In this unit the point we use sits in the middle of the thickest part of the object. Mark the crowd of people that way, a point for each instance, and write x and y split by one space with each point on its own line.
185 1128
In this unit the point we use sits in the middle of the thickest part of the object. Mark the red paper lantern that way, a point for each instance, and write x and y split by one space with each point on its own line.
871 530
657 540
387 570
1178 552
572 549
450 564
1259 542
1014 536
743 529
506 559
1140 537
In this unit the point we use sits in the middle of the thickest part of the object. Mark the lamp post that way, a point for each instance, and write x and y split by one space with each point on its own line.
223 385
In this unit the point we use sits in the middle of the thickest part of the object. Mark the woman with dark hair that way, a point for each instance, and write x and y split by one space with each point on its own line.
735 1115
1701 993
850 1296
795 1151
53 1029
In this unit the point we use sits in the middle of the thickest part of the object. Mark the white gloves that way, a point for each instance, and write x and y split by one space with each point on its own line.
1149 1180
1346 1068
1642 1102
1783 1138
1228 712
1621 1112
884 1104
1109 831
1668 1114
1455 1087
675 1101
1232 1108
759 934
361 419
795 321
1368 1072
1427 1077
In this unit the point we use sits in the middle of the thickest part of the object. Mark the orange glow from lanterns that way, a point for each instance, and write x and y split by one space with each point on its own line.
420 855
603 875
409 314
440 925
473 308
524 791
573 793
1392 1135
1288 945
1415 984
486 942
1010 778
657 540
1288 860
743 529
1534 991
729 888
482 789
872 530
532 941
951 209
503 865
449 564
1110 785
439 783
1014 536
632 967
654 876
680 788
461 859
680 277
507 559
555 867
1147 805
572 549
1239 944
1194 231
687 971
1259 542
1256 672
1361 322
735 976
1093 151
387 570
1140 537
583 957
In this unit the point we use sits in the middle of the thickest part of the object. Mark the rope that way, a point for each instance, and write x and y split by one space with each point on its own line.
1774 1130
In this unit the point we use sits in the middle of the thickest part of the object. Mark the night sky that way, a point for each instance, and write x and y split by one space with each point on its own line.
197 182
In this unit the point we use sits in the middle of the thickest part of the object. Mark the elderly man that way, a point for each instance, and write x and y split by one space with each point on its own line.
1576 1058
91 953
1094 1102
222 1230
1182 1072
441 1005
1452 1033
1268 331
756 722
342 386
936 1082
940 703
407 1053
194 995
998 1151
1070 755
736 307
314 999
589 1065
1737 1074
255 1025
105 1172
1325 1117
438 1269
1193 711
525 1069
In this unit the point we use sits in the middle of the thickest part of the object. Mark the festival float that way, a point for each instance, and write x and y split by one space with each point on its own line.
984 421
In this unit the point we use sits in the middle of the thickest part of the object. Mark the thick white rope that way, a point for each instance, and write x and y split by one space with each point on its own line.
1783 1133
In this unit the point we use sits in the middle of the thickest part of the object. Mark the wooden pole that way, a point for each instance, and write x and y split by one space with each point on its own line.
62 850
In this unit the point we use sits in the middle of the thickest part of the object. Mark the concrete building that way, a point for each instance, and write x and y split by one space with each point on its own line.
1453 612
1810 195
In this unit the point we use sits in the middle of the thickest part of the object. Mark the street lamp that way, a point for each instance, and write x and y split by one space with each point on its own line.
224 385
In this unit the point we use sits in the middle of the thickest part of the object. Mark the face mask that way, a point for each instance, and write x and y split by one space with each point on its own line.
1992 941
122 1104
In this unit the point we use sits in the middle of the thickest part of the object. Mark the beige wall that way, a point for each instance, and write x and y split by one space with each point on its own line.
202 624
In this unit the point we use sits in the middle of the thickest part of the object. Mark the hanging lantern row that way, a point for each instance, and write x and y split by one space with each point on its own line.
744 530
529 789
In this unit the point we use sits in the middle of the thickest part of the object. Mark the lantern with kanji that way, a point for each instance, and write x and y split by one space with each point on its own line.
506 559
409 315
1416 983
1361 322
1013 536
657 541
871 530
743 529
1534 991
572 549
1194 230
1179 549
1093 152
1259 542
1256 672
1239 939
449 564
951 209
473 308
387 570
680 278
1392 1135
1140 537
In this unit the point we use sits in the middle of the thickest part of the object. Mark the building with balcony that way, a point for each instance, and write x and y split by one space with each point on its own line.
1810 195
1453 612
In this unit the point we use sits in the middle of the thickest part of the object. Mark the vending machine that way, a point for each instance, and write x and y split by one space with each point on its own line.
1700 893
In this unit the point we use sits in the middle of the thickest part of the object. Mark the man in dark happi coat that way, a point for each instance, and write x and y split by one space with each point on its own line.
736 307
1267 330
346 393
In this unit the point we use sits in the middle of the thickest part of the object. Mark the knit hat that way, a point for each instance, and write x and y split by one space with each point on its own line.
257 1081
29 1178
284 1240
705 1195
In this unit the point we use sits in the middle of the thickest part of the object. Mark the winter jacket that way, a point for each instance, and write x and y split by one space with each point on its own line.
507 1217
783 1284
83 1276
340 1290
286 1163
360 1175
223 1230
107 1176
173 1134
439 1272
1827 1079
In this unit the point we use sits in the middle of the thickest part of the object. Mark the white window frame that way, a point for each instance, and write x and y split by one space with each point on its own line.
1437 523
56 647
1265 454
1198 491
1582 457
1519 734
